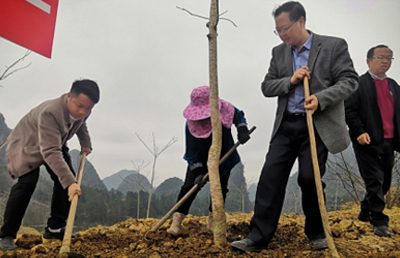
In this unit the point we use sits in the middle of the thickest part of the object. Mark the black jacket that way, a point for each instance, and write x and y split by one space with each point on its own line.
363 114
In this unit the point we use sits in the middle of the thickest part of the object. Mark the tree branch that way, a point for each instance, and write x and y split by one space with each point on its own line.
206 18
172 141
3 144
192 14
140 139
5 74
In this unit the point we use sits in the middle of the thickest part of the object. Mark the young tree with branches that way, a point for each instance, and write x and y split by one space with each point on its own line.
215 149
138 181
155 154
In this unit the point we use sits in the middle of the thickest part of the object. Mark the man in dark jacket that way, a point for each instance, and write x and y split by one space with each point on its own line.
373 116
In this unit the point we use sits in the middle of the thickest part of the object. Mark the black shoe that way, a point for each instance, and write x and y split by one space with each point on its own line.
58 235
381 231
7 244
248 245
319 244
364 216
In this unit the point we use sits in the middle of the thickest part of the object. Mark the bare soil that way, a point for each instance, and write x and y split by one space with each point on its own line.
126 239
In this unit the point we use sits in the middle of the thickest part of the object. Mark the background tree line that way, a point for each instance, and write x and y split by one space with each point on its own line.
101 205
107 207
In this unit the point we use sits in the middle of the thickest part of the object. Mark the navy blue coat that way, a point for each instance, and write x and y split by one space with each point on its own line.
197 148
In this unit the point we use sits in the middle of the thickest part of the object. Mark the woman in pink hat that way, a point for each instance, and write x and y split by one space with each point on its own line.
198 143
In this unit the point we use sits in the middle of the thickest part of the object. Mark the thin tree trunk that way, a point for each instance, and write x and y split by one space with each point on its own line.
336 194
215 149
152 180
243 202
155 154
243 191
138 204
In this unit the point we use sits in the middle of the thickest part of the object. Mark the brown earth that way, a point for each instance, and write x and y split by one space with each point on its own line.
125 239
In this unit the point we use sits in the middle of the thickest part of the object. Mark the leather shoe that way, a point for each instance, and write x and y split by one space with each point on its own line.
7 244
364 216
319 244
381 231
247 245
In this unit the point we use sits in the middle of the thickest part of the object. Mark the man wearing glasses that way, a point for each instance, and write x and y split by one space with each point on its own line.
373 117
327 63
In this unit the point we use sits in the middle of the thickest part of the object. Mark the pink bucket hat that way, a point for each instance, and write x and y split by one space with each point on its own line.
198 111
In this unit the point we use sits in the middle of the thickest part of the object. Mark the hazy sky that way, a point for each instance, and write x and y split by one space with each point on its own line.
147 56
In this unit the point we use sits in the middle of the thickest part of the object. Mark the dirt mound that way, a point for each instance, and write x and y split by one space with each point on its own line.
352 239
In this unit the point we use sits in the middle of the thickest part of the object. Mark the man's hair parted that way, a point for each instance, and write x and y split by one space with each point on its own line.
370 53
86 87
295 10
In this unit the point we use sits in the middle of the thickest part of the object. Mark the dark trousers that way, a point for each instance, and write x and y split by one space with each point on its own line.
21 193
290 142
189 183
376 165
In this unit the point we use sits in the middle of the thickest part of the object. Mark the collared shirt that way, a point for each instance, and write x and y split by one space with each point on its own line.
300 59
72 119
376 77
70 125
71 122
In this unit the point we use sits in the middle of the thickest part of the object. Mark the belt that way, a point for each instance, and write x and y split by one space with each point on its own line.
295 114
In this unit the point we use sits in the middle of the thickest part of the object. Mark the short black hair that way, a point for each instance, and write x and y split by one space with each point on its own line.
86 87
295 10
370 53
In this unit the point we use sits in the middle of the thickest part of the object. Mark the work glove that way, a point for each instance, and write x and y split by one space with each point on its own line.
198 181
199 173
243 134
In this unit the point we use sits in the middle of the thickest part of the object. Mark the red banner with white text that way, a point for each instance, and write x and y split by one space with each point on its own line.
29 23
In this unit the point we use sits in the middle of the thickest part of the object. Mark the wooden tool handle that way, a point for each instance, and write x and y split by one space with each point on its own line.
194 189
317 176
72 211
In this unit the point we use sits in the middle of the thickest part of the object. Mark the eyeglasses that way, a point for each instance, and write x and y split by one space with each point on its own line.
383 58
284 30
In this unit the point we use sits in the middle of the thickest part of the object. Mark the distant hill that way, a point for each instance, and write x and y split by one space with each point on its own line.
4 132
133 183
115 180
90 177
338 188
236 199
252 189
169 186
340 168
5 182
5 179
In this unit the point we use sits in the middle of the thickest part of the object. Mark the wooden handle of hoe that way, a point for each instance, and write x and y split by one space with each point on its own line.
317 176
194 189
72 211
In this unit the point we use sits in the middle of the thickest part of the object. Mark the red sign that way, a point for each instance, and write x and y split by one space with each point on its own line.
29 23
